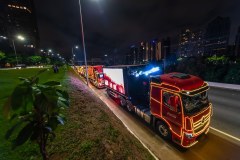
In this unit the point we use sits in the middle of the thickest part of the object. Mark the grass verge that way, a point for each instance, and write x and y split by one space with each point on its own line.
8 81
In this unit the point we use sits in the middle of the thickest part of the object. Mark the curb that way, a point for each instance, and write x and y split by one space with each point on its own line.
225 136
224 86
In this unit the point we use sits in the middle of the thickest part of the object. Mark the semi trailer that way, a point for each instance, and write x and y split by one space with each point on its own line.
176 105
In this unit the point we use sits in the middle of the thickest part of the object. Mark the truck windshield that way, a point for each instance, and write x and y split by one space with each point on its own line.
193 104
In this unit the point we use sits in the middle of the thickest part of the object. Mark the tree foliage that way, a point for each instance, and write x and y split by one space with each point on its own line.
2 56
35 109
215 68
218 59
34 59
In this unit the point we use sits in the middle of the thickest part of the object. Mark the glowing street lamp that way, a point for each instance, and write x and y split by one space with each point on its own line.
73 55
19 37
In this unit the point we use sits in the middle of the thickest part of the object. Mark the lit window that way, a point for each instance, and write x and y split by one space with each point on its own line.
9 5
13 6
24 7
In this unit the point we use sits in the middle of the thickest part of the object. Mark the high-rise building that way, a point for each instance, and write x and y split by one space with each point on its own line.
166 48
217 36
18 17
237 43
191 43
150 51
153 50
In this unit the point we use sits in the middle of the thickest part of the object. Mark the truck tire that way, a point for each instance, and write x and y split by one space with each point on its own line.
163 130
129 107
108 93
123 102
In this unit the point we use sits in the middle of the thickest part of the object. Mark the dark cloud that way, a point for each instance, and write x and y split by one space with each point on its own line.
114 24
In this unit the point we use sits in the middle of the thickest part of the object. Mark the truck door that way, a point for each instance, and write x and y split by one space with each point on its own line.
172 111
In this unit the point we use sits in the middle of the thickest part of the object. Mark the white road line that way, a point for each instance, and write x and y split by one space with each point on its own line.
124 124
226 134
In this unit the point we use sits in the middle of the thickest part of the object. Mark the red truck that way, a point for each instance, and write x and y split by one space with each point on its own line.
176 105
95 75
81 70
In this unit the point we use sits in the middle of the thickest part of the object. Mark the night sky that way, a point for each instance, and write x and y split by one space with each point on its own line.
111 25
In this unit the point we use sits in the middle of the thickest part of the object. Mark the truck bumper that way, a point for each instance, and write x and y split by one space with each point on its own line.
191 141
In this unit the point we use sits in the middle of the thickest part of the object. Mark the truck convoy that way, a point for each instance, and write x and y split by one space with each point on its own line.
95 74
175 104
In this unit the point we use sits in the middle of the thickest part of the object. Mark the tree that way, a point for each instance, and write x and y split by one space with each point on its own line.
34 59
35 109
218 59
2 56
48 61
233 75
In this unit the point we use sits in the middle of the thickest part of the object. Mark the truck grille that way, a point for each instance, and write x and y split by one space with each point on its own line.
201 124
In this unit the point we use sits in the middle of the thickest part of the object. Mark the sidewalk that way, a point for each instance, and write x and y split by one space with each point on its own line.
224 85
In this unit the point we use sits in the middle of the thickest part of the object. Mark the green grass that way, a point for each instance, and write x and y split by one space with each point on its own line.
8 81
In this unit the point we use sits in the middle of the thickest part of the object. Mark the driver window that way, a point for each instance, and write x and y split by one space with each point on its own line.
169 99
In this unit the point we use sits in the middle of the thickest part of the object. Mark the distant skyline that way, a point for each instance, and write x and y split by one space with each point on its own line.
111 25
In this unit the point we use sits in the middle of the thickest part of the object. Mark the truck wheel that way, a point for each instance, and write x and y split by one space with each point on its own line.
109 93
129 106
123 102
163 130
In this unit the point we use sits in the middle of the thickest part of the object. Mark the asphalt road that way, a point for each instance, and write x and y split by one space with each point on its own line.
211 146
226 110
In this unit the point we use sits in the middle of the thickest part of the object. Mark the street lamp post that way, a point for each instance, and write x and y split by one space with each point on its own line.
13 43
14 47
73 55
15 51
83 40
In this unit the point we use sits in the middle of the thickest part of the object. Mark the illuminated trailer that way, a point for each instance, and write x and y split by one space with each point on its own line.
174 104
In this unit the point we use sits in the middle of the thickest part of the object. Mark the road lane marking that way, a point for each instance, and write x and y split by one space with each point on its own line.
109 106
226 134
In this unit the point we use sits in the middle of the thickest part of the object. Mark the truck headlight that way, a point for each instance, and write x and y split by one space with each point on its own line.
189 135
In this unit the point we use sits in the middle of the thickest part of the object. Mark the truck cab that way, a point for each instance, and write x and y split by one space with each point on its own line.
176 105
96 75
180 106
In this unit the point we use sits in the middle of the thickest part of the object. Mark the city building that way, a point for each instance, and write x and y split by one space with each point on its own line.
217 36
133 56
190 43
166 48
149 51
237 43
18 18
